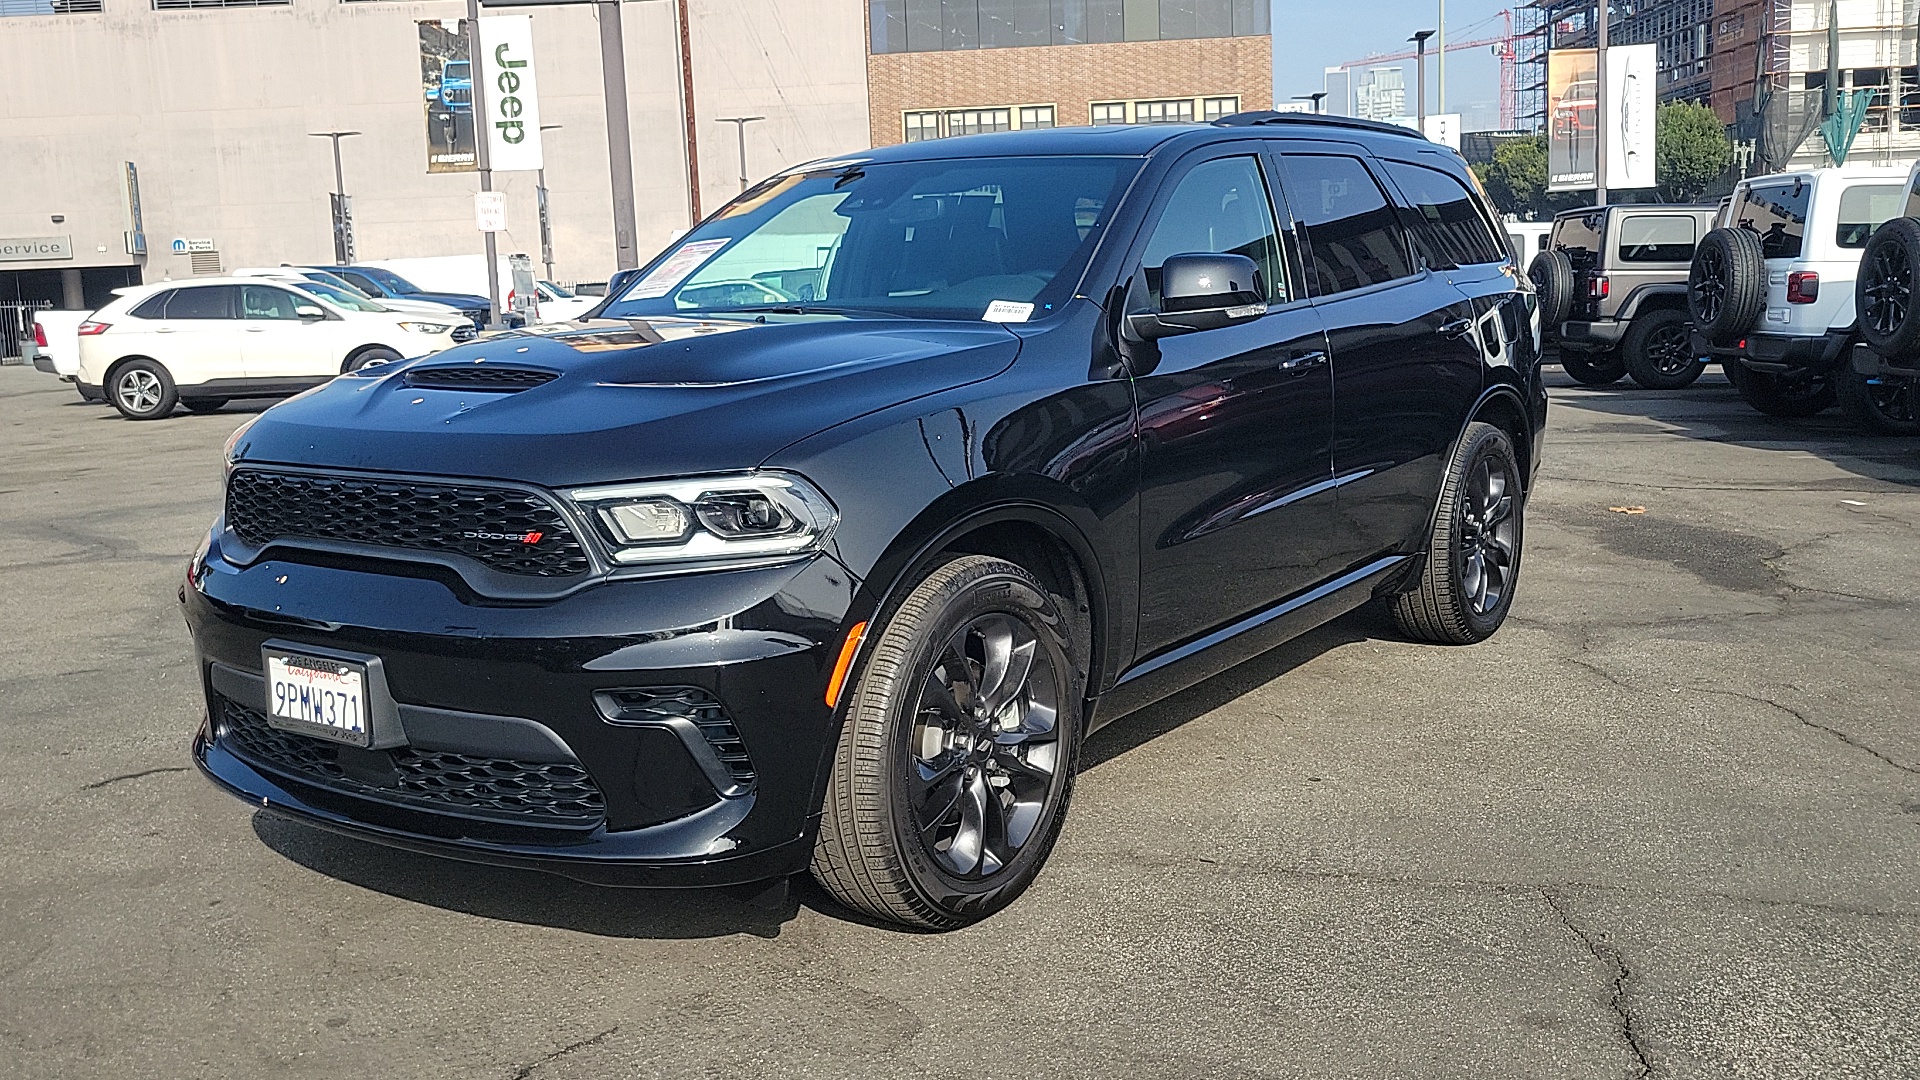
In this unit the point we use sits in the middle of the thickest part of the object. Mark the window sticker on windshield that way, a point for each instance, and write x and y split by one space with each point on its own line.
1008 311
675 270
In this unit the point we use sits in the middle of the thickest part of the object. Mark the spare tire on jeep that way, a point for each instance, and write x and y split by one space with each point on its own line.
1552 275
1883 293
1727 286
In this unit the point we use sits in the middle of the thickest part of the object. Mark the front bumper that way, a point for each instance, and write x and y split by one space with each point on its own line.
470 682
1595 336
1781 352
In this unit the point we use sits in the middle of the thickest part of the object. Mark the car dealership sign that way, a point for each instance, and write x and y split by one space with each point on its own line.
35 248
508 93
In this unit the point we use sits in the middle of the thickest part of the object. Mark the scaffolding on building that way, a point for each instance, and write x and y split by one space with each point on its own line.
1681 30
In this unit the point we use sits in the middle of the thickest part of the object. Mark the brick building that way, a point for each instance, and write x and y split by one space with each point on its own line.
953 67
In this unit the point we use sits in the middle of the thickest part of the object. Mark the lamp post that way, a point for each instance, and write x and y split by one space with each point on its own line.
740 127
1419 40
540 199
1315 98
343 253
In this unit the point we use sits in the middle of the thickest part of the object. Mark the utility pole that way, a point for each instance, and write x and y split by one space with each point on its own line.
1419 40
1440 46
1600 107
343 253
613 77
483 156
685 52
740 124
540 200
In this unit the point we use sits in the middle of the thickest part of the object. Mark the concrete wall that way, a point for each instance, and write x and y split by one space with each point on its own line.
214 107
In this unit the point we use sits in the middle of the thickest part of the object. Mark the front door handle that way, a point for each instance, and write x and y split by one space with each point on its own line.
1457 328
1303 362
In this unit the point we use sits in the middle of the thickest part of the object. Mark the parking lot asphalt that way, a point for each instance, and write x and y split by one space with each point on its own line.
1666 823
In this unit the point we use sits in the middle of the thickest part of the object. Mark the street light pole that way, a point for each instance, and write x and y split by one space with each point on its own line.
1600 107
483 156
740 126
342 222
1419 40
613 79
1315 98
540 199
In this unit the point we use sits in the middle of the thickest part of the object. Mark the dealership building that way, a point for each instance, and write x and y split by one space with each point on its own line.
155 139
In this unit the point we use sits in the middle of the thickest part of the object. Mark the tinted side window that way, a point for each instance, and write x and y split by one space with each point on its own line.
1451 230
153 307
1353 237
263 302
362 282
1219 208
205 302
1778 212
1657 238
1864 209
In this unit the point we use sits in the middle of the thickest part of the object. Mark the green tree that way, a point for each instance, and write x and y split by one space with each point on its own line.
1691 150
1516 180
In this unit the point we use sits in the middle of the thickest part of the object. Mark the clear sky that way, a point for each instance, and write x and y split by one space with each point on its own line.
1312 35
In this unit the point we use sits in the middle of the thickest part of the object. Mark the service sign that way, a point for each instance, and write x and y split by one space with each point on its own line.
509 94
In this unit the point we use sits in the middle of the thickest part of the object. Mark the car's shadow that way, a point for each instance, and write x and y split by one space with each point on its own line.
524 896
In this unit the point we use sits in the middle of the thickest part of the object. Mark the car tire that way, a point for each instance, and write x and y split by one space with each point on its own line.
1879 405
1592 369
1792 395
1727 284
377 354
938 761
1552 275
1883 295
1658 351
142 390
204 404
1466 583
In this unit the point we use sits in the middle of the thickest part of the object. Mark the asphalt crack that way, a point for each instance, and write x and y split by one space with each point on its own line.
1617 1001
528 1070
133 776
1811 723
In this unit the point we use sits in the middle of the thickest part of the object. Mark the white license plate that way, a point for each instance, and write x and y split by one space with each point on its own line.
319 696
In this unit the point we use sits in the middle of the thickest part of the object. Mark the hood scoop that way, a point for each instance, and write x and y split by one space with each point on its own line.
482 377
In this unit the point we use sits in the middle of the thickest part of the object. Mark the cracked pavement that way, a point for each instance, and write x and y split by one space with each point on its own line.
1666 824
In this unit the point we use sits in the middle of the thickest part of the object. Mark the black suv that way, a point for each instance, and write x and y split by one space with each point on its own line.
828 545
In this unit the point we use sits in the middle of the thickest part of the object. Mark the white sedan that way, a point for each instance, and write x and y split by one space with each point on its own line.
202 342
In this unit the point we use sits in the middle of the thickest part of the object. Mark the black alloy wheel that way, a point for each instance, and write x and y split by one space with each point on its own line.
1466 584
1592 369
955 763
1794 395
1883 299
204 404
1659 351
1727 284
1707 285
1879 404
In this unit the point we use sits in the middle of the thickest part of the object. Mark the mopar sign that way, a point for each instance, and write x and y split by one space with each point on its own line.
32 248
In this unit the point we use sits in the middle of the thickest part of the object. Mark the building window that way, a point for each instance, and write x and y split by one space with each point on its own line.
940 25
977 121
1036 116
921 126
183 5
1214 108
49 7
1175 111
1109 112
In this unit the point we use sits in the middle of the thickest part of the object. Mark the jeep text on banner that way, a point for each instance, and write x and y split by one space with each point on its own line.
512 104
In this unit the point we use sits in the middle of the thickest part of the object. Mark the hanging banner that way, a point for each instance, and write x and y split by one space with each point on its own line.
446 80
1632 71
1573 117
508 93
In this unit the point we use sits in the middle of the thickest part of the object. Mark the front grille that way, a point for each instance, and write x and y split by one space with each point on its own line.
464 333
659 703
506 380
526 792
511 531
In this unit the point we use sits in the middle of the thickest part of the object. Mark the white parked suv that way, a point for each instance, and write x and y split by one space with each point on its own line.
1771 289
202 342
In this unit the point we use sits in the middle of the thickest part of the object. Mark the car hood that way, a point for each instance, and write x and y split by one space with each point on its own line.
630 400
463 301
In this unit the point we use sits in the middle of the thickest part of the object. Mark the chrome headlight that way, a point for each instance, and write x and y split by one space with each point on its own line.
748 516
427 327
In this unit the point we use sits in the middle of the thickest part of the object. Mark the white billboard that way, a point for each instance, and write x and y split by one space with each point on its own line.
509 93
1443 128
1632 94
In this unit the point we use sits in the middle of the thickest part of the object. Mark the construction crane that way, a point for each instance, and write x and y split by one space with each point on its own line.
1505 46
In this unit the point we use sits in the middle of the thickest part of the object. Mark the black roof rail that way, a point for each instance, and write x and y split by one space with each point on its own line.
1268 116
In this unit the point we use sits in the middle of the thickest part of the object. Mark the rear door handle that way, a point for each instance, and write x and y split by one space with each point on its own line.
1301 363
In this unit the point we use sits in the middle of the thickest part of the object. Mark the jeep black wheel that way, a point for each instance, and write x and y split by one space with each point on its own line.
1792 394
1659 351
952 773
1727 284
1879 404
1473 555
1592 369
1552 276
1883 296
204 404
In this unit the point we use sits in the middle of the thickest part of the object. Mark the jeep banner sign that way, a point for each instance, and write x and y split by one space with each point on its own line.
446 80
1629 118
1573 118
508 93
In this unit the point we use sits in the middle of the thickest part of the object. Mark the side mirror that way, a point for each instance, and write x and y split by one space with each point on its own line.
1202 292
309 313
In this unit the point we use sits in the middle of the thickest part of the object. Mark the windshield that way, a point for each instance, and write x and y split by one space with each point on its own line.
389 280
555 291
351 299
955 239
456 69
